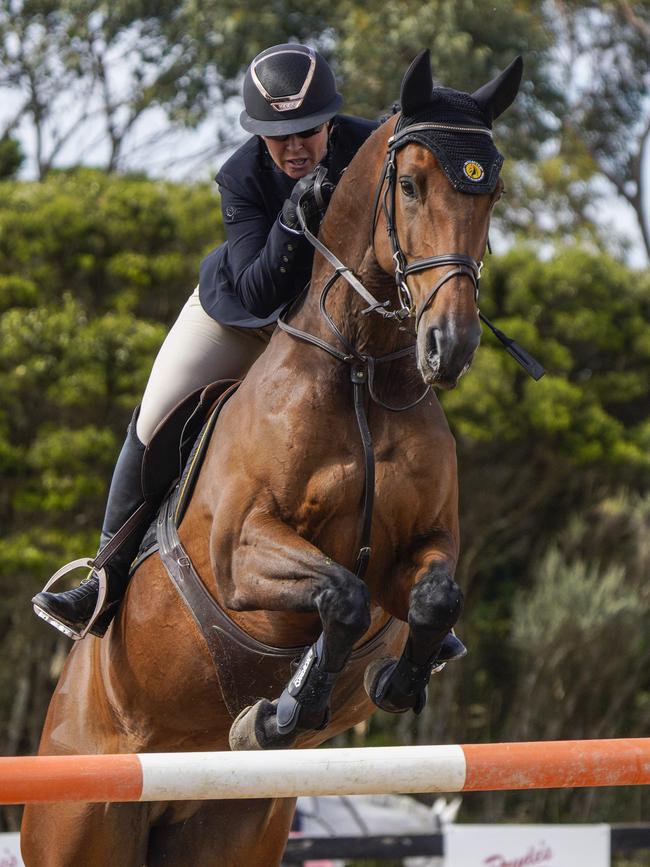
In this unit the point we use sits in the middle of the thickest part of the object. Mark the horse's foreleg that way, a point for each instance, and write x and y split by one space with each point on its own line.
434 605
76 834
282 571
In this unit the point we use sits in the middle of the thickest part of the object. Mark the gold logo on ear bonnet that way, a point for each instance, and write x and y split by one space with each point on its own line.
473 170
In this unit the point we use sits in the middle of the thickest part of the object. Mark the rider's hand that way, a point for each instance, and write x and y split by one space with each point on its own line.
313 193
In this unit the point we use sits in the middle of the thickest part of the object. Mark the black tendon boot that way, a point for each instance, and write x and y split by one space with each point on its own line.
71 611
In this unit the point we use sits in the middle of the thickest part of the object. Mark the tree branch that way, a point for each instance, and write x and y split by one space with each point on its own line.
632 18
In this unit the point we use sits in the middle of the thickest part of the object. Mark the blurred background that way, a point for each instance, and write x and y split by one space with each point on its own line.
113 120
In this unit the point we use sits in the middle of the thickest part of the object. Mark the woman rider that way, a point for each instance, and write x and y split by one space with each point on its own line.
290 107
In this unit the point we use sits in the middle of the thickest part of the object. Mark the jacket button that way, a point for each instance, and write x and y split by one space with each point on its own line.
285 259
290 247
283 270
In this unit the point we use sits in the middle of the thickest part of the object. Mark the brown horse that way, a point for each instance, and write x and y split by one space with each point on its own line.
273 526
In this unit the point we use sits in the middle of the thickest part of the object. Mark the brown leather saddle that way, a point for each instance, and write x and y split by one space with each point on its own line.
176 436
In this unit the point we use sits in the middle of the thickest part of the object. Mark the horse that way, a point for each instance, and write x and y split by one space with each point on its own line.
311 525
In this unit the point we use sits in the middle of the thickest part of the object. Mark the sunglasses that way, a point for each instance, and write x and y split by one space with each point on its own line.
306 133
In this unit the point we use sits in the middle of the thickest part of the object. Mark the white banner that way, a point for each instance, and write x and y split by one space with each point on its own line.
10 850
480 846
527 846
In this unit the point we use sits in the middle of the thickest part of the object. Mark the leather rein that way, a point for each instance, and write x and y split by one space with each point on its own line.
362 367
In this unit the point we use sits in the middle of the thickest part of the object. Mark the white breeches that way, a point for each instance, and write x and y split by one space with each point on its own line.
197 351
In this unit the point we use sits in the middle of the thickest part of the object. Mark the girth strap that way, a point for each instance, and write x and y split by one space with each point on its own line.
263 669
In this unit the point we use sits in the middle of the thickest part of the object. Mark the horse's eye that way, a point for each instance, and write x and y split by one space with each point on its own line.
408 187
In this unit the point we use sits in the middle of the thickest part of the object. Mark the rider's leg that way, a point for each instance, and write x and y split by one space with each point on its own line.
197 351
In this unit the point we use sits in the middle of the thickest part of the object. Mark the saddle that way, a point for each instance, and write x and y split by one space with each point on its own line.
175 437
175 454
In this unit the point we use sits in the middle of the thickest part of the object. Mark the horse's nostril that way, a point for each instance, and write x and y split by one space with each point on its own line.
433 344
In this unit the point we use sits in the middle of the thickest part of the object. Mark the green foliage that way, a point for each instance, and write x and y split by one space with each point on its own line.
92 271
11 157
469 43
76 346
554 525
126 244
585 317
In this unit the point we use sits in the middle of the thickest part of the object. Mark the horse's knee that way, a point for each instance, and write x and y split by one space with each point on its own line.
345 602
436 601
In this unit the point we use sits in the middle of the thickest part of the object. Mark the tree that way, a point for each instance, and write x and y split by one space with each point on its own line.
79 79
132 73
11 157
92 269
602 50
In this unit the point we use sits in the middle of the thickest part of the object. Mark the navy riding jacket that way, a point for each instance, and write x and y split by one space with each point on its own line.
262 265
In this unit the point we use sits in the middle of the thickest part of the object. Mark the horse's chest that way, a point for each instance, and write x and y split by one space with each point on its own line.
334 492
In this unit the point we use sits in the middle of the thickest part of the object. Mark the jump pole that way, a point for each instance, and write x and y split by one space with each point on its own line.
289 773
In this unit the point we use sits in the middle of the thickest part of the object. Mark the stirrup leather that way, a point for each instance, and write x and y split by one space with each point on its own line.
81 563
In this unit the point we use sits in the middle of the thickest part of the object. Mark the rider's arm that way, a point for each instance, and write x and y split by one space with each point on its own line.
270 263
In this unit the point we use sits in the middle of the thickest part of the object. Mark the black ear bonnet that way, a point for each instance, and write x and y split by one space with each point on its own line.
462 143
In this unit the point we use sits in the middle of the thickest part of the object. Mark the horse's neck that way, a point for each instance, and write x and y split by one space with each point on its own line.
346 231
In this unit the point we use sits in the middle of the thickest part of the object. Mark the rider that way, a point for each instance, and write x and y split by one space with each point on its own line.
290 107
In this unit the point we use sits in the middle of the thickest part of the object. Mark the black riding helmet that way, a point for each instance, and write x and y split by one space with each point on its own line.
288 88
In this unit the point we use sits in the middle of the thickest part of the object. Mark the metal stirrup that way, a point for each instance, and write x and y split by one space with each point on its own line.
81 563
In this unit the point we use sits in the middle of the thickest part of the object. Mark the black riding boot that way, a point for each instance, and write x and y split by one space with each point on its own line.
74 608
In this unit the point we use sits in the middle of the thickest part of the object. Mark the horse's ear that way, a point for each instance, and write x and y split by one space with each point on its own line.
417 85
495 96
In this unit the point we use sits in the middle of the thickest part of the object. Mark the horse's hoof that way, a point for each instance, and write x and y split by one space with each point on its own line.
374 682
255 728
386 695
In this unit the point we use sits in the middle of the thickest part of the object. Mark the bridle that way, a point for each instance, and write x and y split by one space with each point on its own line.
465 265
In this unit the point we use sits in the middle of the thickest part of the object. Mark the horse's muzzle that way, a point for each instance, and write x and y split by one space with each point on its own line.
445 350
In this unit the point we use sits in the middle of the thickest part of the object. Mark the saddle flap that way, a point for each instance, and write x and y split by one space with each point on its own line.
172 441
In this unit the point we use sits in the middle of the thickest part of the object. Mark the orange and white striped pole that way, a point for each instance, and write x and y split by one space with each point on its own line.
288 773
